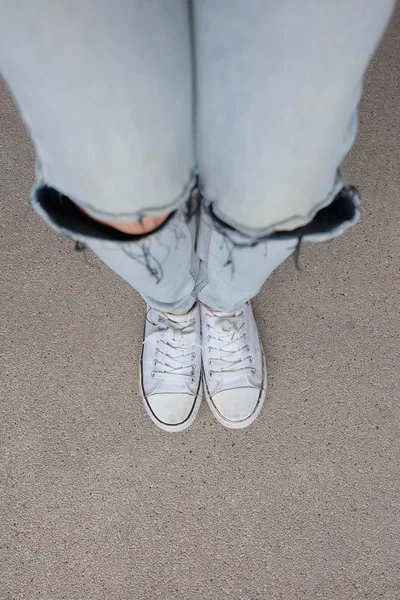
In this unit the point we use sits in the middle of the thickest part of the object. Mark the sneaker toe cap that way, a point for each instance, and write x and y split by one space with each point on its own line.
237 405
171 409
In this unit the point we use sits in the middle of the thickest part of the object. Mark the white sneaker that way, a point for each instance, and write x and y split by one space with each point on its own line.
170 368
235 376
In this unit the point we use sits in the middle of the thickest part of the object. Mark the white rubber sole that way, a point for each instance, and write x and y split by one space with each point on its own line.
251 418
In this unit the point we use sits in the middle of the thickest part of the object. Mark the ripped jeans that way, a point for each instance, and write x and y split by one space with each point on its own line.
132 103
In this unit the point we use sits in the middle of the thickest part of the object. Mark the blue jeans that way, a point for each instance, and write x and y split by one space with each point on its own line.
132 103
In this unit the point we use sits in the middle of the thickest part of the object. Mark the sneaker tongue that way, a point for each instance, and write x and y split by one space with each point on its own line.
226 315
179 318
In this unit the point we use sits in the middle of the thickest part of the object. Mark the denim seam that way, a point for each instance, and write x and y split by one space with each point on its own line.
200 287
192 231
207 243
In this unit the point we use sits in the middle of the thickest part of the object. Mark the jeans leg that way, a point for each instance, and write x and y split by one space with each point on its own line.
105 90
233 266
162 267
277 89
278 85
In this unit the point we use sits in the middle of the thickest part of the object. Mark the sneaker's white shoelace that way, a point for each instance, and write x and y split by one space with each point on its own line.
227 345
174 354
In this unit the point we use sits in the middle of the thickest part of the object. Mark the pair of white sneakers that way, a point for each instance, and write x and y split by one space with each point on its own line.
202 349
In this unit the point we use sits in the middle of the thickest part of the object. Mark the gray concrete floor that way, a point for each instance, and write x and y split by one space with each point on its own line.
99 504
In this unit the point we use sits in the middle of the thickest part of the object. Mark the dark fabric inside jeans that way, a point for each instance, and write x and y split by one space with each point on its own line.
66 214
328 219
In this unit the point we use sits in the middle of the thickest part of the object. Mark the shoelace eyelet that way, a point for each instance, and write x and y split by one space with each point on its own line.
251 359
254 371
154 363
153 374
210 373
209 361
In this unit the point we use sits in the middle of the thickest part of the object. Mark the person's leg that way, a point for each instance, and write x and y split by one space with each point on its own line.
278 85
105 90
